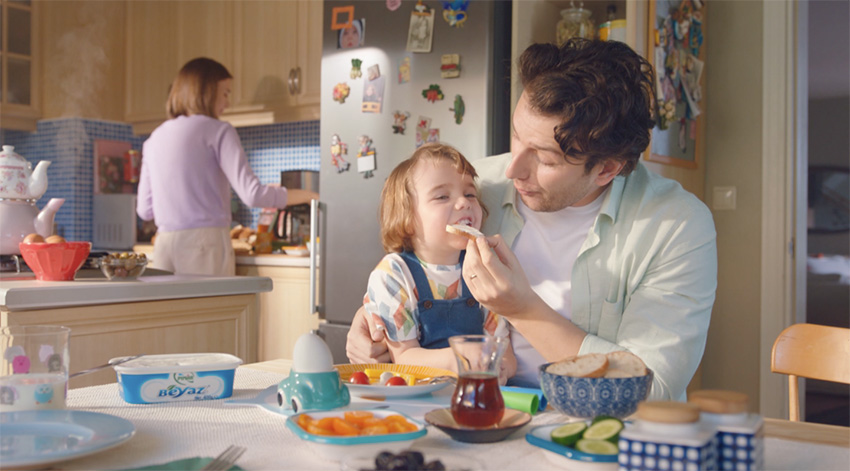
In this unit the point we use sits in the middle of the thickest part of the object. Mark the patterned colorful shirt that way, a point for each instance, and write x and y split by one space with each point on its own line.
391 297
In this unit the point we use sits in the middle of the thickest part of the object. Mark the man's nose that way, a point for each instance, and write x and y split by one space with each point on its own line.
518 167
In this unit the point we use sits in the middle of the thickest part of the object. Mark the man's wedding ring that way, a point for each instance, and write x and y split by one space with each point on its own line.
473 276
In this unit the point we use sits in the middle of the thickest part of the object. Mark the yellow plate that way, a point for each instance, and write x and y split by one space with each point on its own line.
419 372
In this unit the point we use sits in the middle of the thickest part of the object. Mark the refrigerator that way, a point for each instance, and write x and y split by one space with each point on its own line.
398 97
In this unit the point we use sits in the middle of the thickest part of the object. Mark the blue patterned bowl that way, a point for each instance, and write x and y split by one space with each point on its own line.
590 397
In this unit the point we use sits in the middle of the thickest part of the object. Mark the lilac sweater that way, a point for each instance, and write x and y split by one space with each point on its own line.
189 164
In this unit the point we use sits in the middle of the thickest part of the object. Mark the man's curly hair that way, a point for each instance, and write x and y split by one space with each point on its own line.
602 92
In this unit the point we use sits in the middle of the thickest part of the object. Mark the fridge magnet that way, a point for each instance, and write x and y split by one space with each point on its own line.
404 70
341 17
341 92
678 56
374 72
373 95
365 157
392 5
433 135
454 12
355 69
450 66
400 121
338 148
352 35
423 125
459 109
421 31
433 93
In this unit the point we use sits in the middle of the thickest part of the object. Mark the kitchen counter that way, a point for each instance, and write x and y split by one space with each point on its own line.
263 260
27 294
273 260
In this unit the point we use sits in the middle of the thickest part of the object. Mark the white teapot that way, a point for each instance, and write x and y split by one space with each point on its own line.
20 187
17 178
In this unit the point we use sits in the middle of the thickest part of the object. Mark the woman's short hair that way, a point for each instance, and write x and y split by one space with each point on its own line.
603 93
195 88
397 214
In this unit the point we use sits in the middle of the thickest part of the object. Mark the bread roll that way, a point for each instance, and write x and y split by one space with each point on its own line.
467 231
623 364
592 365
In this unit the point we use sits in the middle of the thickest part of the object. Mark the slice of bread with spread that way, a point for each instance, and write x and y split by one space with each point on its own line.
467 231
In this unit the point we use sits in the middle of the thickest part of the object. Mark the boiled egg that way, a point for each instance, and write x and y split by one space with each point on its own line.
311 355
33 238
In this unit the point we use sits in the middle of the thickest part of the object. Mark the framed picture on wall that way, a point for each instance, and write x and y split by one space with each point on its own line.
676 50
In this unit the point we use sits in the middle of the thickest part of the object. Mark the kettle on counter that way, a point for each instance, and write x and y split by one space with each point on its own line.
20 187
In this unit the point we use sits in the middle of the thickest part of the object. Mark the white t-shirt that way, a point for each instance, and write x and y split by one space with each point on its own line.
547 248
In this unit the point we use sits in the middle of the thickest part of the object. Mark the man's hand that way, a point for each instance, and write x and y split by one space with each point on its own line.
495 277
365 343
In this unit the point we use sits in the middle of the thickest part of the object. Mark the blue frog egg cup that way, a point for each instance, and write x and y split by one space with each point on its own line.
313 383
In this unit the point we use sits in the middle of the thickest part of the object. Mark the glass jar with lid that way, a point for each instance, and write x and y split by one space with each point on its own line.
575 22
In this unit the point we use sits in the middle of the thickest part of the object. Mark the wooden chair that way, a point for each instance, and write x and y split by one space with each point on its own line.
811 351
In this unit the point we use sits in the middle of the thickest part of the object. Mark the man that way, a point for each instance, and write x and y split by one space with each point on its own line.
593 252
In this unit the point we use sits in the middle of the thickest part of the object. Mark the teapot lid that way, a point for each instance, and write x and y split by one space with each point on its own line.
9 152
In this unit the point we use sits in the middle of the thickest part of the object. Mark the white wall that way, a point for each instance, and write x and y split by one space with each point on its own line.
733 158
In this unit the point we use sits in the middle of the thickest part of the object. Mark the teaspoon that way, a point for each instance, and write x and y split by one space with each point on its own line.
106 365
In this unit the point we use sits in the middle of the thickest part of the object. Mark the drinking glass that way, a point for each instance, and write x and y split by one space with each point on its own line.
477 400
34 367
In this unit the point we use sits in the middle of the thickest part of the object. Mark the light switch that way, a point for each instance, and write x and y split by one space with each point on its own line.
724 198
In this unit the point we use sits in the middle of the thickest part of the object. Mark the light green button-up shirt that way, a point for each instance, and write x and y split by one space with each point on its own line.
645 277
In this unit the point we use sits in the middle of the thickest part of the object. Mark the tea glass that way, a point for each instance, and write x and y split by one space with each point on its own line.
477 400
34 367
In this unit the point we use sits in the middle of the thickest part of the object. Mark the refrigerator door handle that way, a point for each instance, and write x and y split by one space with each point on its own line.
315 246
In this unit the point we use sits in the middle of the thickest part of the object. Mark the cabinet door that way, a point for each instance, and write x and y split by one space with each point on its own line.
152 59
205 30
284 311
265 45
309 67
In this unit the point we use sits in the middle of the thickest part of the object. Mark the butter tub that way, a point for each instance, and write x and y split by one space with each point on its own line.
177 377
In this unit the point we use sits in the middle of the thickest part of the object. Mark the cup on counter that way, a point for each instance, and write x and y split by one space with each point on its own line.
35 363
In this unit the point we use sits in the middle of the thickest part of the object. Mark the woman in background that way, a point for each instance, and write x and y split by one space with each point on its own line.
189 164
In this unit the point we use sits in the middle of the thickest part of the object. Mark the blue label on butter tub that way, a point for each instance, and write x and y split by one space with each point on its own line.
146 389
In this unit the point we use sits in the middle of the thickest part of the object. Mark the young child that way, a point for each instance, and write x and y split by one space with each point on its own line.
416 293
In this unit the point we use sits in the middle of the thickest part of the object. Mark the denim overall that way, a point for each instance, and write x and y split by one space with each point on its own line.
440 319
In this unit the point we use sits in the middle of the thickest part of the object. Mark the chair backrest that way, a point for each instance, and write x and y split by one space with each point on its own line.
811 351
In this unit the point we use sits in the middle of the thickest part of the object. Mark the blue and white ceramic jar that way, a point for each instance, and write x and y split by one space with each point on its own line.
668 436
740 436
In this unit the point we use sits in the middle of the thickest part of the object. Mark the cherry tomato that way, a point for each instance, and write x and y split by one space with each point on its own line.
396 381
359 377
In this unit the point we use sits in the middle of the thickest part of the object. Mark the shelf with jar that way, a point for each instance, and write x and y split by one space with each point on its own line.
537 21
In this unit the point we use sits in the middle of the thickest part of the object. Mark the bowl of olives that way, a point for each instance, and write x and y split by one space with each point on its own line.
123 266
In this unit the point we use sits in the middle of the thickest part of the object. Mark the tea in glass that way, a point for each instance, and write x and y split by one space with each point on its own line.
477 400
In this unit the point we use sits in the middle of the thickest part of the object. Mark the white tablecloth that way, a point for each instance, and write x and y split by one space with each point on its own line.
166 432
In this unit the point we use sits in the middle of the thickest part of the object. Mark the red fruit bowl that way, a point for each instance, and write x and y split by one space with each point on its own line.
55 262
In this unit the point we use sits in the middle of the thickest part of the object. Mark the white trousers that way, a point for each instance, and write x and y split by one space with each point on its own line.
204 251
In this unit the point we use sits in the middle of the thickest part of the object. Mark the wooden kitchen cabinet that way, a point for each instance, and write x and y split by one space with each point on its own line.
273 50
20 86
284 311
224 324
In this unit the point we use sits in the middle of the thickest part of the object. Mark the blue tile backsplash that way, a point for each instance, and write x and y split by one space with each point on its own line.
69 144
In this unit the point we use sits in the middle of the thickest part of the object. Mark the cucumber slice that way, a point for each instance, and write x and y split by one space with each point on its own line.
600 418
607 429
568 434
597 447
